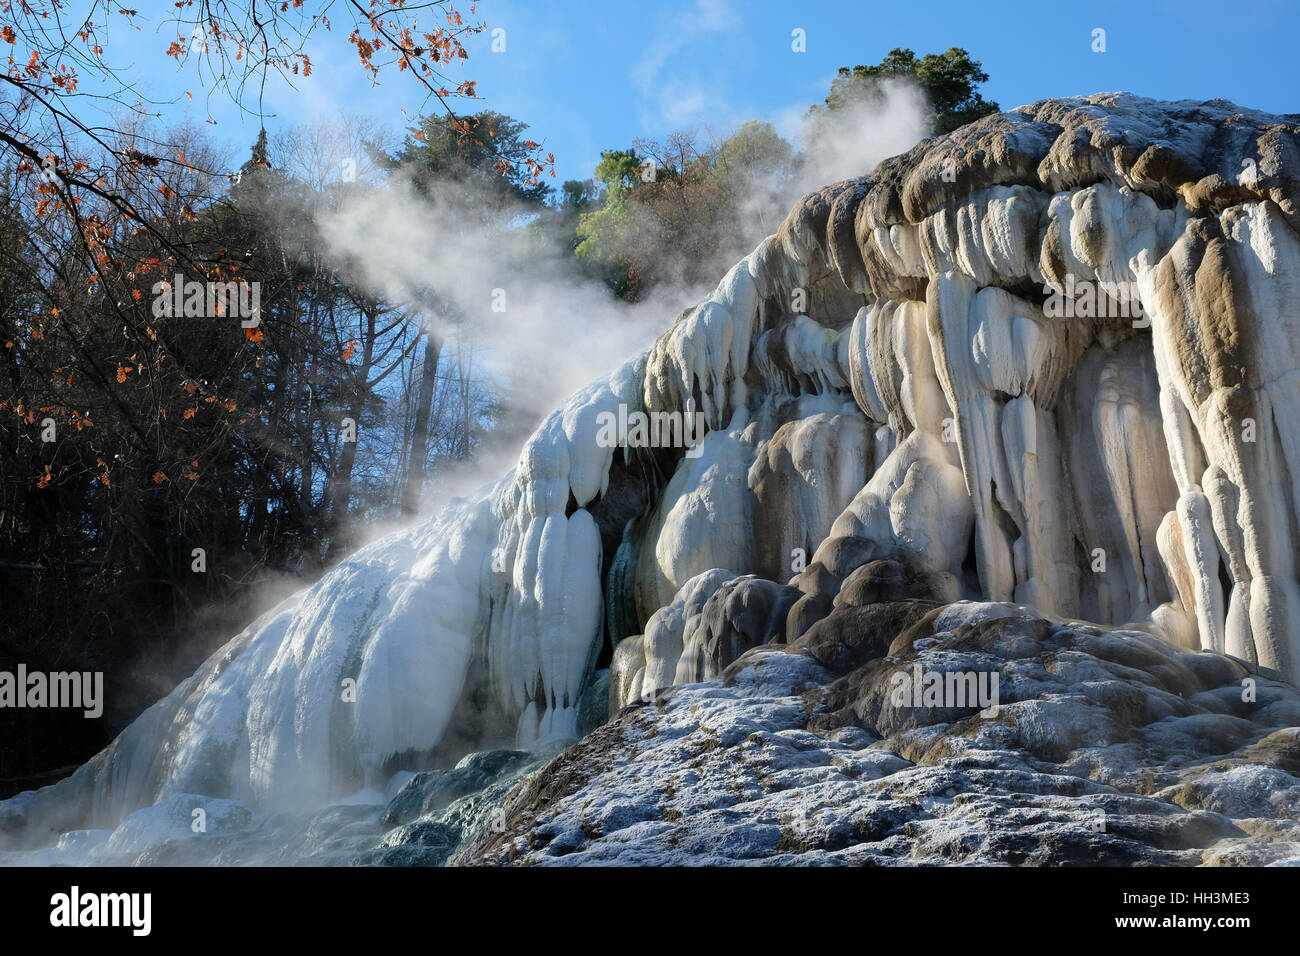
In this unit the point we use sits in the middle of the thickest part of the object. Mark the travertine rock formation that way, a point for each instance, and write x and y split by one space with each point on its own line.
1075 350
1107 748
1050 358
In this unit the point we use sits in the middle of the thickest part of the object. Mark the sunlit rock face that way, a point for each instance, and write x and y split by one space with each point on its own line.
1050 358
1074 352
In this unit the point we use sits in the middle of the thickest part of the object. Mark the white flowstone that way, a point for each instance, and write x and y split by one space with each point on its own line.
927 407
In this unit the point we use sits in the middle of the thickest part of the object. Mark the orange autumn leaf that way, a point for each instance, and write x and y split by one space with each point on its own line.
122 371
253 335
159 477
190 412
46 479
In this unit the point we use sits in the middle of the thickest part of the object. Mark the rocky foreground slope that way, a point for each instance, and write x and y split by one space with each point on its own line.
1108 748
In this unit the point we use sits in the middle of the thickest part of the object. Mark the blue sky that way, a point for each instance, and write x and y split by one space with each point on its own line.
592 75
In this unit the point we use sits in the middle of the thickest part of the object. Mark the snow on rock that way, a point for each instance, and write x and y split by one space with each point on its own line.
1047 360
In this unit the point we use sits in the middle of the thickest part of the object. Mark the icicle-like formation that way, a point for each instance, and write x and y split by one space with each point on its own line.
1050 358
1075 344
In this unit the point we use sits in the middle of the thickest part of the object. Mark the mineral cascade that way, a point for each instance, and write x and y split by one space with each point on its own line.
1049 362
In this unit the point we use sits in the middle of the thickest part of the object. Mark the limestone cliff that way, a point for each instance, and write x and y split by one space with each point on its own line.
1048 359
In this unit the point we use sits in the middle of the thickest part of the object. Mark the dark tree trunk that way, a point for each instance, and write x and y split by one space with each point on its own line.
420 433
340 484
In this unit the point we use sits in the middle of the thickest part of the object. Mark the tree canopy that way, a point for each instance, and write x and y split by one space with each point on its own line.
672 210
949 80
158 462
489 163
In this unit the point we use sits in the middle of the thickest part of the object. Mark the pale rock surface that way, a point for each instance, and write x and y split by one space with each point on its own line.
1109 748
